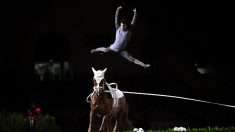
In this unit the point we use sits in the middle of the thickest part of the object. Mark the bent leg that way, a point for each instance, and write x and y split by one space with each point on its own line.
106 124
127 56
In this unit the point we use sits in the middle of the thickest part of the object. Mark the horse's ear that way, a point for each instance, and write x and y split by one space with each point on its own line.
93 70
104 70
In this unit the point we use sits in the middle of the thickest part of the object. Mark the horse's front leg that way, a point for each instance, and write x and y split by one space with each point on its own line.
109 124
115 127
91 121
104 124
117 124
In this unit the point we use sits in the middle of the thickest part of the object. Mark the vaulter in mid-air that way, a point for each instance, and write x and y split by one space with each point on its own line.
123 35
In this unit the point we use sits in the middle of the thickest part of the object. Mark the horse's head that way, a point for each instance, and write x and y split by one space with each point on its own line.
99 80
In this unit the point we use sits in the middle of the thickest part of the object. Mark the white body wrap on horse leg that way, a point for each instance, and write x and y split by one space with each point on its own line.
115 93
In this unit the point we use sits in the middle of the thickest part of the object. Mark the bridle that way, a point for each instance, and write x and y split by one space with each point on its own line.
99 83
98 88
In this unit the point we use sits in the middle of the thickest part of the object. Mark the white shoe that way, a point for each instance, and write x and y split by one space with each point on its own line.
146 65
93 51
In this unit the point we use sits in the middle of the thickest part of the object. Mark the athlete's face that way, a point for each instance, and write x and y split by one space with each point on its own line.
123 26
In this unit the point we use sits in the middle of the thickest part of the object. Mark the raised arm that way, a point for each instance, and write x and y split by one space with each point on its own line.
116 16
134 18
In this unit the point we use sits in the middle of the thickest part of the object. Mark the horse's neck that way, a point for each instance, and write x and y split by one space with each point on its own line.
104 96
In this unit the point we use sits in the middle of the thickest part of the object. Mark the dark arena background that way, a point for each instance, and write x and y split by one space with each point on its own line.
45 57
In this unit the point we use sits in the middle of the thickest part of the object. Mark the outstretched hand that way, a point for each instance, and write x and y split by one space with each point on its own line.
134 9
120 7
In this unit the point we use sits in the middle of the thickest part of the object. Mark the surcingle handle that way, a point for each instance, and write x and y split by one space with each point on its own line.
110 85
111 89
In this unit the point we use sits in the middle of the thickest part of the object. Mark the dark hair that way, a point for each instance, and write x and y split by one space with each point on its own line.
125 21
